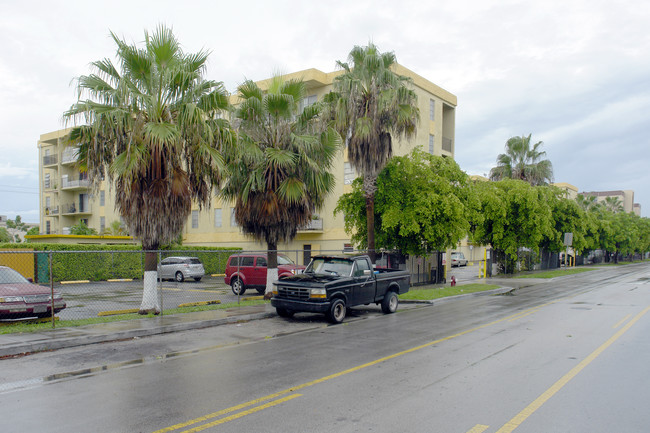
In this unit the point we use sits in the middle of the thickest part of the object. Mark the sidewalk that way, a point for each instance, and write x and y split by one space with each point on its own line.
15 344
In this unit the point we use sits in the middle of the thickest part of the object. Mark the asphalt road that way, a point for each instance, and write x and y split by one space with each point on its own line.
565 355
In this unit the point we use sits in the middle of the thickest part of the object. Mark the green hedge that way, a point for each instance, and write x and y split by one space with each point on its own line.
72 262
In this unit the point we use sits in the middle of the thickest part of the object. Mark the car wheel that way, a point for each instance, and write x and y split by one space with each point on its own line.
283 312
180 277
337 311
389 303
237 287
197 279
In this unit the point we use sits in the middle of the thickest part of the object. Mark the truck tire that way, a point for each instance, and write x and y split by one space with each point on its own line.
389 303
337 311
283 312
237 286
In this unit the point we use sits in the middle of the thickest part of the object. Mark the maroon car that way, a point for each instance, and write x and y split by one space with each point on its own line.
250 271
20 298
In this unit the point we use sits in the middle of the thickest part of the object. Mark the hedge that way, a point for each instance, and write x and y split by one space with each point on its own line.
71 262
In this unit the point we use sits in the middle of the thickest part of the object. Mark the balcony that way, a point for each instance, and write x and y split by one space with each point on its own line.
51 211
69 156
315 225
49 160
75 209
447 144
74 184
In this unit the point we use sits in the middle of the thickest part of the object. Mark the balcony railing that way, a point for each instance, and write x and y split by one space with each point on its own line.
75 209
49 159
447 144
52 210
82 183
69 156
314 225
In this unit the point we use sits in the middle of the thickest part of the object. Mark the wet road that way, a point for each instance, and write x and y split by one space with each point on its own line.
566 355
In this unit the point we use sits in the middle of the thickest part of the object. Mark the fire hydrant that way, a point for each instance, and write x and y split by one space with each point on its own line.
453 281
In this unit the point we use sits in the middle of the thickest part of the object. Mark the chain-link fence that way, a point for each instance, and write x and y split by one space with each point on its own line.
87 284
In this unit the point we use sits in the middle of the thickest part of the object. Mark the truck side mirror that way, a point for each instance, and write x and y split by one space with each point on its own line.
367 272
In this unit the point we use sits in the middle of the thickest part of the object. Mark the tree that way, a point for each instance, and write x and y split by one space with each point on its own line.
280 173
567 217
5 237
153 127
586 202
82 229
523 162
16 227
371 106
33 231
612 204
116 228
423 203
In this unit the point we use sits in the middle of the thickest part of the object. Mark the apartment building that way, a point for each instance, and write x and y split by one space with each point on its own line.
624 197
66 198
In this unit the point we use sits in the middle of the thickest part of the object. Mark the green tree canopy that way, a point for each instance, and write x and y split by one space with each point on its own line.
521 161
423 203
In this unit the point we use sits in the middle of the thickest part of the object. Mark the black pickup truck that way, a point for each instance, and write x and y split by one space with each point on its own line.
331 284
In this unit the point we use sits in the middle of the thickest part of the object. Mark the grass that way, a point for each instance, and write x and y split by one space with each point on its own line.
555 273
33 326
443 292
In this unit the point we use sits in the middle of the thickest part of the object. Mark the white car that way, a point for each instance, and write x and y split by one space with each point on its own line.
180 268
458 259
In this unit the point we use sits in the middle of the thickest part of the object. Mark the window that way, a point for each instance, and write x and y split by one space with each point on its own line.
261 261
432 109
431 142
47 227
102 198
47 202
349 174
233 221
307 101
195 219
247 261
217 218
361 266
102 223
47 181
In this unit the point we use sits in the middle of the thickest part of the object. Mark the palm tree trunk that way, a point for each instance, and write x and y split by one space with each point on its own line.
272 267
370 218
150 302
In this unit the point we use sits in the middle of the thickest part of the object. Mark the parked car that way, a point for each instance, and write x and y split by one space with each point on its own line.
249 270
458 259
21 298
332 284
180 268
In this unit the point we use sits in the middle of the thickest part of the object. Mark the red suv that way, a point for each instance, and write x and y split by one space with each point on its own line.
250 271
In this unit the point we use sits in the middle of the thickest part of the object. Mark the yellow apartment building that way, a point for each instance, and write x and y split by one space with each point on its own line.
65 197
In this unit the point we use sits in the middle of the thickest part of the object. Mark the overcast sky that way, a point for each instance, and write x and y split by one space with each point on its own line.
574 73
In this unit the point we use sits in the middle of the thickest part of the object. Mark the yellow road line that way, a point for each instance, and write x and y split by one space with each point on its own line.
478 428
623 320
539 401
242 414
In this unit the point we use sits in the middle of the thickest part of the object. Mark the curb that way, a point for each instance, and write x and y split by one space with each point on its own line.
493 292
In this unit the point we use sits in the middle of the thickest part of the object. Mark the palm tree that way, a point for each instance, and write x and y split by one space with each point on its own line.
280 173
523 162
586 202
153 127
371 106
613 204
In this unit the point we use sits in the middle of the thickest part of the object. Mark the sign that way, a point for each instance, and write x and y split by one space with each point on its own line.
568 239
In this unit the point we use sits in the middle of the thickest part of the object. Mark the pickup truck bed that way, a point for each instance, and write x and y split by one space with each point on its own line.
331 284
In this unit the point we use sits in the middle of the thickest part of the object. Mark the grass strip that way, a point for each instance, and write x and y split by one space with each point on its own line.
416 294
555 273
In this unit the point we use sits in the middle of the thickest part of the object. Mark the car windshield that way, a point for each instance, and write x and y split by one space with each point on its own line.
330 265
9 276
284 260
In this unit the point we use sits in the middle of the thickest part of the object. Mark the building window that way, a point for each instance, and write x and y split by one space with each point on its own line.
47 181
431 141
307 101
48 202
102 198
349 174
432 109
217 218
195 219
102 224
47 227
233 221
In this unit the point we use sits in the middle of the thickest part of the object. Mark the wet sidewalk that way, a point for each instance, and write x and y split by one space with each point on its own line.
59 338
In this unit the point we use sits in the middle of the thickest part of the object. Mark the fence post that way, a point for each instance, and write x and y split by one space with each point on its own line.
51 290
160 292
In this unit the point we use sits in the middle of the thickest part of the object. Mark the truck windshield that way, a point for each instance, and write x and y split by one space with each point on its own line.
330 265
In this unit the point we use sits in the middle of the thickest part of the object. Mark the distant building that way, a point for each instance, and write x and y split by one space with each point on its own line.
625 197
571 191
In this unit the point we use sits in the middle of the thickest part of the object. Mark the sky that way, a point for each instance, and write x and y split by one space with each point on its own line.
573 73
